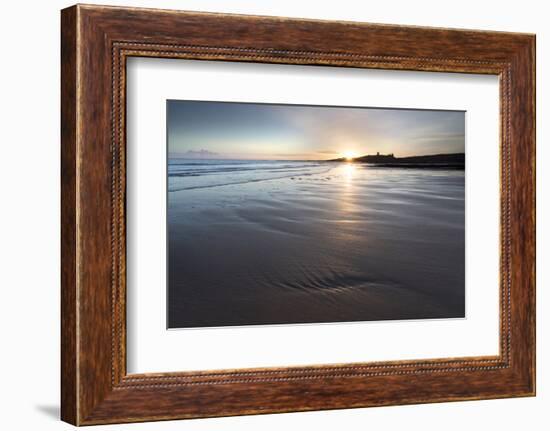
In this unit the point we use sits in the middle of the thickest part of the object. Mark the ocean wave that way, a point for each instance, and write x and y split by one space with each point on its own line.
237 181
224 170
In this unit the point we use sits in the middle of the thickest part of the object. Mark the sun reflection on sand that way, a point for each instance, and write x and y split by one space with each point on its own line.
349 169
346 199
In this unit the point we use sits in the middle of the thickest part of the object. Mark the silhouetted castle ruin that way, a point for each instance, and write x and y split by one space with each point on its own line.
454 160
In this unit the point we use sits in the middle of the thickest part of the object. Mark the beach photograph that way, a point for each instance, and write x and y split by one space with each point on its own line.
282 214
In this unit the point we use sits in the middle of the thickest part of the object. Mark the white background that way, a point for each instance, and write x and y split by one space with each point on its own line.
151 348
29 228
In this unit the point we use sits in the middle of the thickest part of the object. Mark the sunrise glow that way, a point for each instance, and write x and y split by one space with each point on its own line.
349 155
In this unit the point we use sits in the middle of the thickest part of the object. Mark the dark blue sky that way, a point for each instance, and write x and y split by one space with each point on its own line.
264 131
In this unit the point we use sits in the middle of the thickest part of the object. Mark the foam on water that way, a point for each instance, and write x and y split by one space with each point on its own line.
187 174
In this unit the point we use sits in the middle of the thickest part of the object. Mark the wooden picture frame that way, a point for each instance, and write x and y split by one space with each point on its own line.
95 43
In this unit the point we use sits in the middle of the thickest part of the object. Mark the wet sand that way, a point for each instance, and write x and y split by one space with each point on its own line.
308 243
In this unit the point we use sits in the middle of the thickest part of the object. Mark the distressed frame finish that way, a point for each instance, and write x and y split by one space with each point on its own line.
96 41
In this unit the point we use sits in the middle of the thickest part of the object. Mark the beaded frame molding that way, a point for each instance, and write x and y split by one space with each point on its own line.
95 43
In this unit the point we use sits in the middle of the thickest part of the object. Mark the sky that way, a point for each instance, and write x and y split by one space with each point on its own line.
228 130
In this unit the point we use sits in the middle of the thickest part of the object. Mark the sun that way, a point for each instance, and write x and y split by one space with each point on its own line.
349 155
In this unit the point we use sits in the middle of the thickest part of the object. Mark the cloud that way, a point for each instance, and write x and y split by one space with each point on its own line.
292 154
199 154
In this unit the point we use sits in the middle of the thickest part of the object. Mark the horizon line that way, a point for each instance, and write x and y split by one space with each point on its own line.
338 156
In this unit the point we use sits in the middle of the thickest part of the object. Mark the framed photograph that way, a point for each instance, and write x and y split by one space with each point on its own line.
264 214
274 218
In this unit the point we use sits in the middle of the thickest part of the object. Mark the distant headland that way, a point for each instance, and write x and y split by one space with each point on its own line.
446 161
